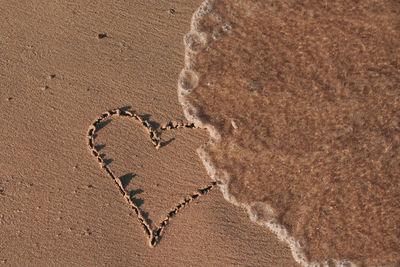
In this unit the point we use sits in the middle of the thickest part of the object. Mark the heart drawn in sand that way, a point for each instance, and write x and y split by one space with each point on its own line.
153 234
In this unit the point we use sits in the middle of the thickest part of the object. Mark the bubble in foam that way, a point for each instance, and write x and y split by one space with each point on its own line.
226 27
221 30
191 114
260 212
203 10
215 17
195 41
188 81
191 111
301 243
216 34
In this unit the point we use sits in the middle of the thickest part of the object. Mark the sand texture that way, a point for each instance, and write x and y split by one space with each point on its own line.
303 101
62 65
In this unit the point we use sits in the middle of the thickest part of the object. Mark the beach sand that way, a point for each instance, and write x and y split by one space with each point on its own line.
62 64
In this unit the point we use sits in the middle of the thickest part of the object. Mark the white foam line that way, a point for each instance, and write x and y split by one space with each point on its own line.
259 212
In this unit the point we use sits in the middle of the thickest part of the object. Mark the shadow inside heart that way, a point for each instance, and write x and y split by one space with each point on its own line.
126 179
163 181
133 194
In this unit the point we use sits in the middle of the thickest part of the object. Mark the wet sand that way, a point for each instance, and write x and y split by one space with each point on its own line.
302 100
64 63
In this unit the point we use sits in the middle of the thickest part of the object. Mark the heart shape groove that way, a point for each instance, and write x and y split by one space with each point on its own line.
153 235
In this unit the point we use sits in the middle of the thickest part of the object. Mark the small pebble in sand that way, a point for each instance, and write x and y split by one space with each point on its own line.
234 125
88 232
172 11
102 35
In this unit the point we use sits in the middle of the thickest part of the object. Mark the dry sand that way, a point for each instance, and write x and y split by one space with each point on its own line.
57 206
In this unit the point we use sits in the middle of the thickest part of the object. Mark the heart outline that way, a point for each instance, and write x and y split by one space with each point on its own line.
153 234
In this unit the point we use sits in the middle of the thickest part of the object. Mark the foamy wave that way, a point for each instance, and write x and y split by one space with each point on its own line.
259 212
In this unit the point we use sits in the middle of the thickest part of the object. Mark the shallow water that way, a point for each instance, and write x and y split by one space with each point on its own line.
302 101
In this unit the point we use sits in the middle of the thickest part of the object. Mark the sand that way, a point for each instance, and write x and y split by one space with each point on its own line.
64 63
302 100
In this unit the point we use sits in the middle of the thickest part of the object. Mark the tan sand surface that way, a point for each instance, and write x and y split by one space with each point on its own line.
57 206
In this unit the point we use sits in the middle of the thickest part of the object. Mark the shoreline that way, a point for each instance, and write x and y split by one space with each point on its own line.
57 206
